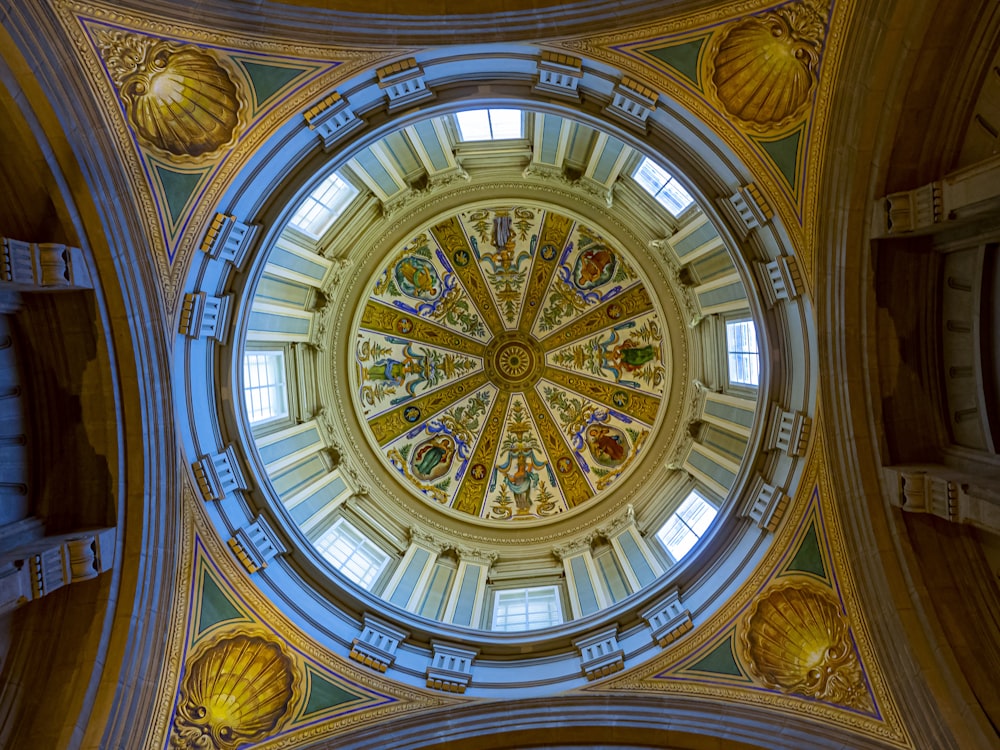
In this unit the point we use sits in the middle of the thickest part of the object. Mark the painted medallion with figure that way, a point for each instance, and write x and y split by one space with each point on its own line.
547 387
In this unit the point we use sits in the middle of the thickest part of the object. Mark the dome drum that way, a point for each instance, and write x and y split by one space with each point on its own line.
393 316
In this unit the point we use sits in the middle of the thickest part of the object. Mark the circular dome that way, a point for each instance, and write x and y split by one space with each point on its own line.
511 363
358 551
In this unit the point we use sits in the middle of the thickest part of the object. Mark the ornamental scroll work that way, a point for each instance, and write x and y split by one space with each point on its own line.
796 639
182 101
764 69
237 689
510 363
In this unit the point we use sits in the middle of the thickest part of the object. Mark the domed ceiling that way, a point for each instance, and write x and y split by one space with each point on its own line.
510 363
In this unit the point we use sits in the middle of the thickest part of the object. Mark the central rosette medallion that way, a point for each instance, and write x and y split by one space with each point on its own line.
510 363
513 361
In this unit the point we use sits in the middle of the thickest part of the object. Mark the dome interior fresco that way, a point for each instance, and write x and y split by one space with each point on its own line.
601 374
510 363
504 376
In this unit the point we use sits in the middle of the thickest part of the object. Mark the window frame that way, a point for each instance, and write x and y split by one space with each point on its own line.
387 557
287 384
337 211
496 593
461 140
659 534
653 196
738 385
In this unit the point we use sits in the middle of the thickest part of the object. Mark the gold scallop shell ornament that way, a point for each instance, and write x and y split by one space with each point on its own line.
235 691
796 640
764 69
179 99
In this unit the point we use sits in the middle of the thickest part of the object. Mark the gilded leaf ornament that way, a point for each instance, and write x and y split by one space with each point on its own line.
764 69
796 639
236 690
179 99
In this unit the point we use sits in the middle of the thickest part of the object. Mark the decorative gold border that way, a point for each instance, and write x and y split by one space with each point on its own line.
643 678
74 15
195 524
802 232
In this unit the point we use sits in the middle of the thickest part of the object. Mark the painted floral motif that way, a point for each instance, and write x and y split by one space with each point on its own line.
393 370
588 274
605 441
629 354
523 480
421 281
503 240
509 363
434 456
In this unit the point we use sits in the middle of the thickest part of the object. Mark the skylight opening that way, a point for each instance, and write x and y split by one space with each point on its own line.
660 184
516 610
323 206
352 553
743 353
490 124
687 525
264 386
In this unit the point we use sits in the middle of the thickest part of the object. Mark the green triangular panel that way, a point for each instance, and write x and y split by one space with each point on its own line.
683 57
784 152
268 80
177 189
271 79
216 607
809 557
322 694
721 660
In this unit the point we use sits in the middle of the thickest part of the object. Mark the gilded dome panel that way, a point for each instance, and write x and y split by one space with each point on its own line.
510 363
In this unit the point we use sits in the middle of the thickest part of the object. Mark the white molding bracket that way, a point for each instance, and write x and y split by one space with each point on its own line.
376 646
219 474
600 654
228 239
255 544
559 75
205 316
765 504
781 279
450 669
751 206
787 431
668 620
632 102
331 119
403 83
